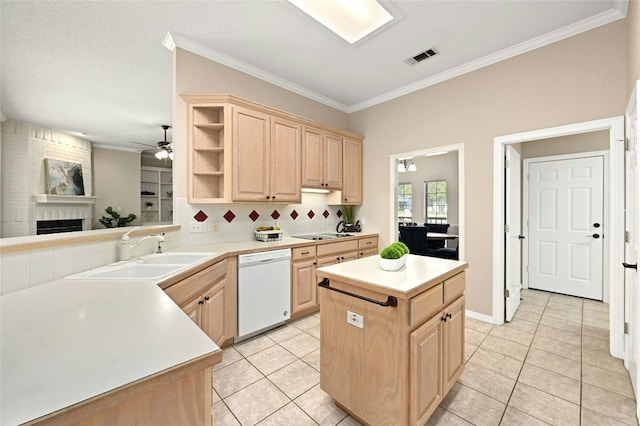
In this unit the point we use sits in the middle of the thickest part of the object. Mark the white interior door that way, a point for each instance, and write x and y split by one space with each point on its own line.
566 226
632 186
513 247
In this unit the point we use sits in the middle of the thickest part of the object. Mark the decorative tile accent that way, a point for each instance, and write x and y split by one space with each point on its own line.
200 216
294 215
311 214
339 214
254 215
325 214
229 216
275 215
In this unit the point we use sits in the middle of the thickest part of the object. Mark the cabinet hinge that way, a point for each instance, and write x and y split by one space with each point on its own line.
506 229
626 144
626 236
506 163
506 293
626 328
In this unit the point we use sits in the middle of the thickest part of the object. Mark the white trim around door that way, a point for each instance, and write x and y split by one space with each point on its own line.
615 126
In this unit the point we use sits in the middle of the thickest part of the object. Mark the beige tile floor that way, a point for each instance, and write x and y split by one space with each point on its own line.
550 365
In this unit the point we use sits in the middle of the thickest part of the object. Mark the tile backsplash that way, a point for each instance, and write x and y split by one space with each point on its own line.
237 222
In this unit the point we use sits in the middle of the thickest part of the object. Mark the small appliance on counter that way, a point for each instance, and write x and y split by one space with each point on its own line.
348 227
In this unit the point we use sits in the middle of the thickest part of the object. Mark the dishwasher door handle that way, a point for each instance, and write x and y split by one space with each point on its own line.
391 300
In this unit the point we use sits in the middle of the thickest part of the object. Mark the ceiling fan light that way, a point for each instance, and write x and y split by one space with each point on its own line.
171 155
162 154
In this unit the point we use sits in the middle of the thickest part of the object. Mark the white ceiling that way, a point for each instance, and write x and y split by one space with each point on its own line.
100 67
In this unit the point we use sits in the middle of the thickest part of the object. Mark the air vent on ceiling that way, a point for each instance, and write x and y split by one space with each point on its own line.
421 56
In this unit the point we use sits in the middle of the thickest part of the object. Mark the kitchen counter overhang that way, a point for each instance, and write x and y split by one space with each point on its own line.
68 344
419 274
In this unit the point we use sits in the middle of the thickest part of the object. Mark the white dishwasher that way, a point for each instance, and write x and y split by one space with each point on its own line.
264 291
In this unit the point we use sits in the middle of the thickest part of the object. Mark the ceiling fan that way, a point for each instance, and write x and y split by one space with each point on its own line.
163 148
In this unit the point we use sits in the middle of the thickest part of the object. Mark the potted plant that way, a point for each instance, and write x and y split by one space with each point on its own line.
115 221
393 257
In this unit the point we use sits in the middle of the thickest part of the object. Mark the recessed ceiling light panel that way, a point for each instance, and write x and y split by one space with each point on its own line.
350 19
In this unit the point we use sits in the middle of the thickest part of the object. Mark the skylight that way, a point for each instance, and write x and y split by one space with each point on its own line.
350 19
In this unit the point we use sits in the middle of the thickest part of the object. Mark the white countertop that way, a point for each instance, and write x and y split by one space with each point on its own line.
67 341
417 271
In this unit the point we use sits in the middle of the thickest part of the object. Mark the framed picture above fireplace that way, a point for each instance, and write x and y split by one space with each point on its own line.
63 177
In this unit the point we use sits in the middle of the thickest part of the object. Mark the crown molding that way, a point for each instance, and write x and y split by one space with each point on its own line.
612 15
115 147
177 40
619 11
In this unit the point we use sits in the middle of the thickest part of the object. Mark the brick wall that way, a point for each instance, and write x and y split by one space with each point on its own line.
24 148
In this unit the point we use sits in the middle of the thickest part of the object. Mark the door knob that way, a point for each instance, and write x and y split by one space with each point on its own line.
521 237
630 265
596 236
596 225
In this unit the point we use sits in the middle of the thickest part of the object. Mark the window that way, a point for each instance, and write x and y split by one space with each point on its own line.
436 201
405 202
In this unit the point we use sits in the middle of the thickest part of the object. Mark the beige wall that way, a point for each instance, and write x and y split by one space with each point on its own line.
586 142
555 85
116 183
633 45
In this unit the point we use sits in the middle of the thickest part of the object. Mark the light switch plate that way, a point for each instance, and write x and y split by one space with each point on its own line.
355 319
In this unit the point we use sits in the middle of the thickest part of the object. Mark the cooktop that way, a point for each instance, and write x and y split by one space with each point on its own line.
323 236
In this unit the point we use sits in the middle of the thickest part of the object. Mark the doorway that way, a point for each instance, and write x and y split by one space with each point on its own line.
394 182
564 224
615 189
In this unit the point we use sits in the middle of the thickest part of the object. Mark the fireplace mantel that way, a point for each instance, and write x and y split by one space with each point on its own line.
64 199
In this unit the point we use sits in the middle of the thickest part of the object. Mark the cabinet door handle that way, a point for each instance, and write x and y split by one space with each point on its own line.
267 197
200 302
206 298
443 319
449 315
304 253
273 197
315 263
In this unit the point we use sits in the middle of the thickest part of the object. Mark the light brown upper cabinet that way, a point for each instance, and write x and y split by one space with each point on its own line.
243 151
209 152
266 157
352 171
321 159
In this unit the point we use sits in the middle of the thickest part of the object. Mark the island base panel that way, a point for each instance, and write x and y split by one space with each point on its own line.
361 368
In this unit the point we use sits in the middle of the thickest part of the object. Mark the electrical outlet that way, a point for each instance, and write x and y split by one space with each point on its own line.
206 227
355 319
197 227
215 226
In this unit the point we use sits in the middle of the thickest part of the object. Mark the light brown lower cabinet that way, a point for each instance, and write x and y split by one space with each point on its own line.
181 395
210 298
304 297
437 360
398 367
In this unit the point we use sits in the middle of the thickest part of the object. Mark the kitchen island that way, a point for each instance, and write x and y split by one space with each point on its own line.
391 343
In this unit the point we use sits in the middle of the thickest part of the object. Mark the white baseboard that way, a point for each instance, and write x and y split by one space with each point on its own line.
479 317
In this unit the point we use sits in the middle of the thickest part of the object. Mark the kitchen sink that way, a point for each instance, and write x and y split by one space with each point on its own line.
173 258
150 267
133 272
323 236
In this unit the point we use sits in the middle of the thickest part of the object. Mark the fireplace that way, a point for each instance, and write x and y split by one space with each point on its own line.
56 226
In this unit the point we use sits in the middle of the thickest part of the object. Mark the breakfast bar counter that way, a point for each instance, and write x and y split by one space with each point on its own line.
391 343
72 349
